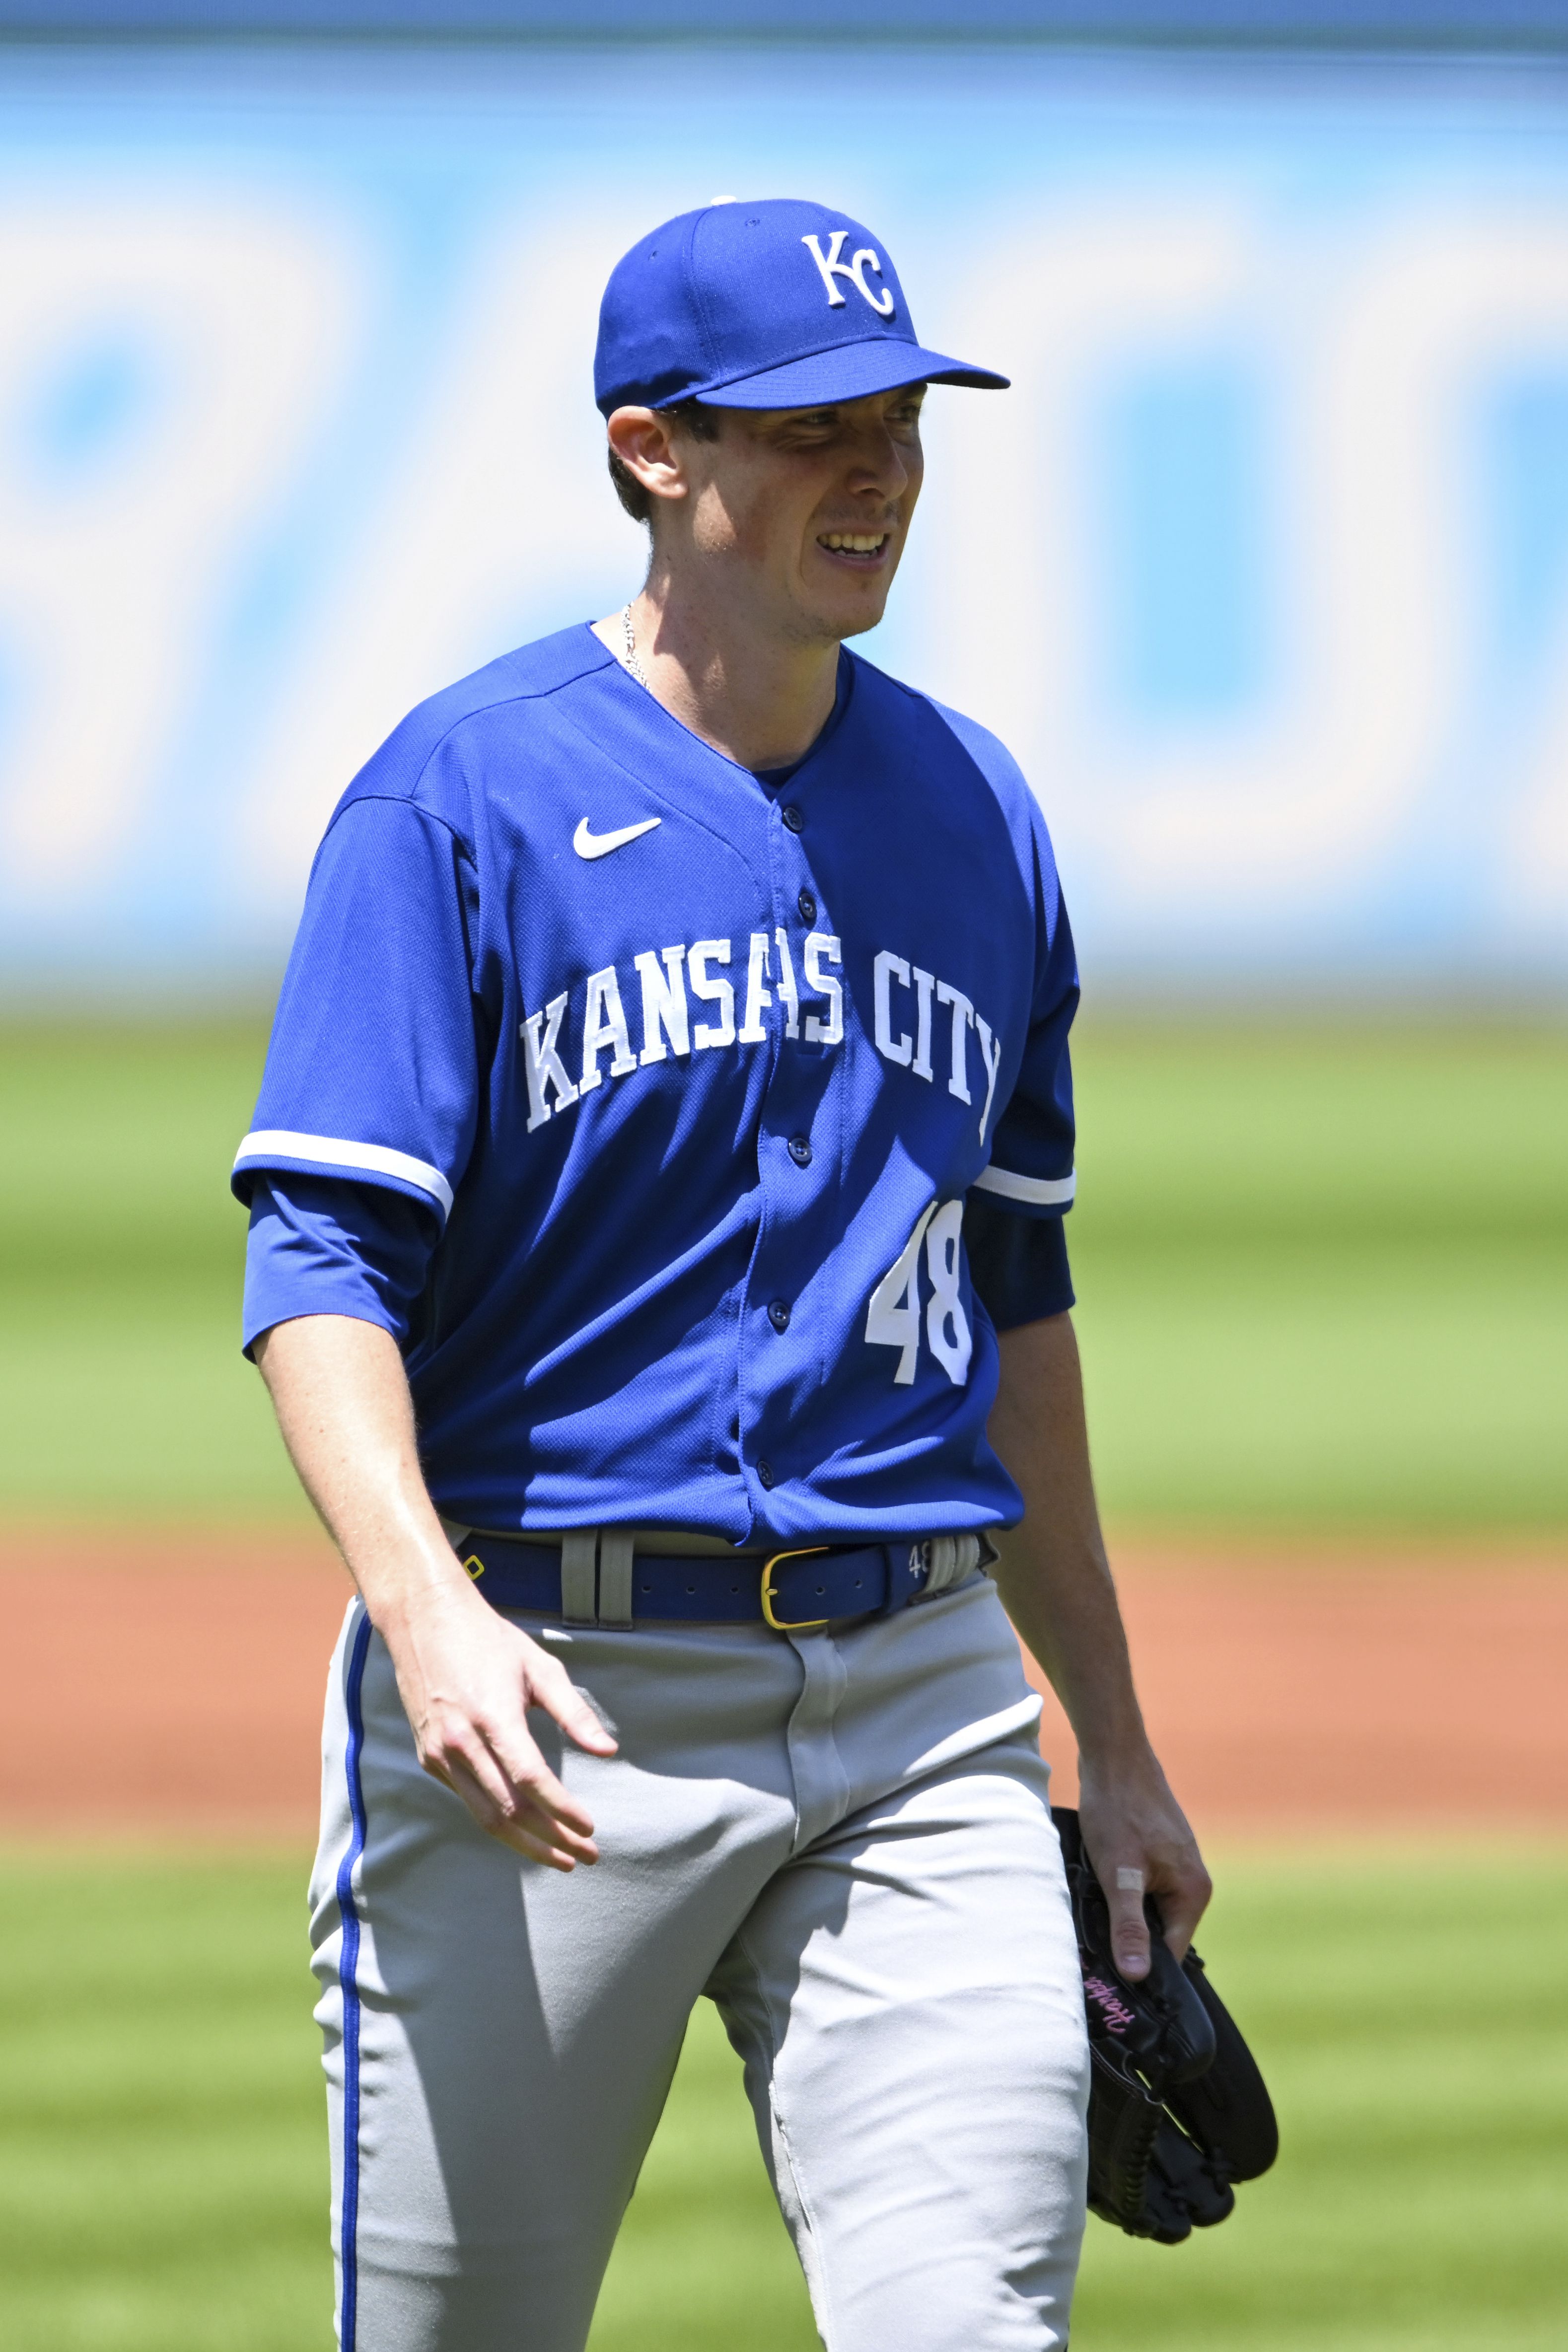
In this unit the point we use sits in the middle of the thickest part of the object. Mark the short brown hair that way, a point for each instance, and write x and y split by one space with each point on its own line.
688 417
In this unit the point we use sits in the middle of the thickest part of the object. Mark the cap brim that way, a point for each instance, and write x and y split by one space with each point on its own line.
846 372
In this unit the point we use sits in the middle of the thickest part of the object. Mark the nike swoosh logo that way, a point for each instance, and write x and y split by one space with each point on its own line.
599 844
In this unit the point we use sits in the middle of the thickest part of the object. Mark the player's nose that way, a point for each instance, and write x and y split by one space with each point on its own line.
883 464
881 460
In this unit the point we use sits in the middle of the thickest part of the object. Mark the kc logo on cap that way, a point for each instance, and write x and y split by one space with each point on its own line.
832 267
723 306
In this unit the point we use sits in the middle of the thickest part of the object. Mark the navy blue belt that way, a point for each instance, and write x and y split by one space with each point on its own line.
793 1592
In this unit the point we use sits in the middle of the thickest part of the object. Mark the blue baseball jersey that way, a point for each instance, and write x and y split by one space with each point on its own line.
689 1073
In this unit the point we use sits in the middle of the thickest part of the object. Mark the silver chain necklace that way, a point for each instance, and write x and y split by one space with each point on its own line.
632 662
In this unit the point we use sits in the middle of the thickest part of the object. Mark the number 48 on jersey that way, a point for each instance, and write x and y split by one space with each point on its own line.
893 1318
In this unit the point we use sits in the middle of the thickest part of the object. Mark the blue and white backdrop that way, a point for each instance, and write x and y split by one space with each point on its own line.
1262 569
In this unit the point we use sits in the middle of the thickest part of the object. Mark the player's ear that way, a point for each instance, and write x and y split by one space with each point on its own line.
645 443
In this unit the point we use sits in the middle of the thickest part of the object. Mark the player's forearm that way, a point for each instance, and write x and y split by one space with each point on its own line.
343 1403
466 1677
1054 1577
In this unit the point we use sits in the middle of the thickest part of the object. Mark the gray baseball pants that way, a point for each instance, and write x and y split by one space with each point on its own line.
842 1838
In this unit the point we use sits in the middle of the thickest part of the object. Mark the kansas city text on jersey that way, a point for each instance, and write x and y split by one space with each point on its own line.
566 1035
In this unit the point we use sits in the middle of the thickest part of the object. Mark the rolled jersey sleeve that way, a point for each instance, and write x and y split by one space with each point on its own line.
372 1072
1018 1264
321 1246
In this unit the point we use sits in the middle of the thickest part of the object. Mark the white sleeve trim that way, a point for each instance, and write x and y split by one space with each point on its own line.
269 1145
1039 1192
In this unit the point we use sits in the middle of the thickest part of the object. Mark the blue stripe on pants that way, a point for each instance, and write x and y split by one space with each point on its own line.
348 1965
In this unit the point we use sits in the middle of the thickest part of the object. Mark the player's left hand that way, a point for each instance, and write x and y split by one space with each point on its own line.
1139 1843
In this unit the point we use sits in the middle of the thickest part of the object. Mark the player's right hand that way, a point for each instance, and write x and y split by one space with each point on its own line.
467 1677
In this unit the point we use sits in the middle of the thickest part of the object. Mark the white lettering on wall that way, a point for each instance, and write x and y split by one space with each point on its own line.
1371 371
458 521
319 508
215 332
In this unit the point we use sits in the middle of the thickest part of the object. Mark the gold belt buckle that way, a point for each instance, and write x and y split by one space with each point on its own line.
780 1625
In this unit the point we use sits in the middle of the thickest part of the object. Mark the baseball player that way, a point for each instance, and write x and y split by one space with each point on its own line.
657 1264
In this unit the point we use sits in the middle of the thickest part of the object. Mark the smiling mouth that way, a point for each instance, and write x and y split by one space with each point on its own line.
860 546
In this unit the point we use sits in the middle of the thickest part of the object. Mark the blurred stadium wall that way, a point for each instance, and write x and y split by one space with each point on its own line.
1262 568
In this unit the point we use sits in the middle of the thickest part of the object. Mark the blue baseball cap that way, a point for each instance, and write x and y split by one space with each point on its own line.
771 304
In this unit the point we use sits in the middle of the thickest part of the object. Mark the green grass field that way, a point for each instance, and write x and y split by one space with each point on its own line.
162 2165
1323 1274
1323 1279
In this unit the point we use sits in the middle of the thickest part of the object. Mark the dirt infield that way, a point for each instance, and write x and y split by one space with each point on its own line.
1305 1692
173 1686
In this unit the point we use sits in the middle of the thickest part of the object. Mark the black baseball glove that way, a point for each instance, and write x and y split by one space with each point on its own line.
1177 2108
